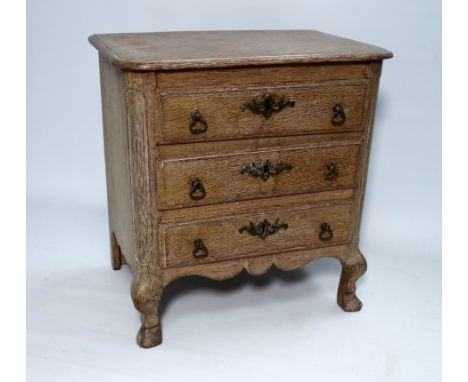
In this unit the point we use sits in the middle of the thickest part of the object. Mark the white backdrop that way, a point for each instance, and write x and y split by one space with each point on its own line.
80 318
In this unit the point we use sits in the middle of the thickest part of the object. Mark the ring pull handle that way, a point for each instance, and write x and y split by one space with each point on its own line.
331 171
197 190
338 117
326 232
197 118
199 249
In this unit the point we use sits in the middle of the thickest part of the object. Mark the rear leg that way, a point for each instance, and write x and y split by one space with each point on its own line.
116 255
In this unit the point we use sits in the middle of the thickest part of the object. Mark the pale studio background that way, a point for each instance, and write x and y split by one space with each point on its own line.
81 323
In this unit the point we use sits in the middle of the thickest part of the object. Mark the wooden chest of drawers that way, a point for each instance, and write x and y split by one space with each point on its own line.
234 150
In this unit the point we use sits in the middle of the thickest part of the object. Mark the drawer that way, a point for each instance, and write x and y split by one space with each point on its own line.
201 174
222 238
204 114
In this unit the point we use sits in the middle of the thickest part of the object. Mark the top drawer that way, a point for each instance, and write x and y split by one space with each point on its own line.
208 113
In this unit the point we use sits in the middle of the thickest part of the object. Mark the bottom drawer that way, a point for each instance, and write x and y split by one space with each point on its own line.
227 237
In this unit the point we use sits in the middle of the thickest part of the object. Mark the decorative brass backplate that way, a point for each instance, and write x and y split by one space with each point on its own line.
263 228
266 169
267 105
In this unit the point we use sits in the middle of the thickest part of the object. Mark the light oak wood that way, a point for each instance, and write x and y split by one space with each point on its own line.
222 110
117 163
259 144
150 85
254 206
223 240
194 50
262 75
146 289
223 181
257 265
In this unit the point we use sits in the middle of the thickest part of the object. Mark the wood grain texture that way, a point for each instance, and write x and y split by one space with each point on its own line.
240 146
222 237
150 85
253 206
126 102
222 110
223 181
354 265
263 75
374 73
285 261
117 164
146 287
188 50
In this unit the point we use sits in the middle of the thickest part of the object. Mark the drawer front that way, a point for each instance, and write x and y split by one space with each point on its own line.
201 115
192 181
254 235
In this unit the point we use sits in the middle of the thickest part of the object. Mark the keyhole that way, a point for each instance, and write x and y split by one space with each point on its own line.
268 103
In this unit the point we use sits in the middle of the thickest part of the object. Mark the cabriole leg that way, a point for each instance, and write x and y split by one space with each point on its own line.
146 294
352 269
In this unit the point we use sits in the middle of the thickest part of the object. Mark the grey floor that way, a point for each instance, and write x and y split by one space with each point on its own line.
81 323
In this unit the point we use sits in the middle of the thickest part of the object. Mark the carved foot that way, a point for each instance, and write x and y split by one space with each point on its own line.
116 254
353 268
148 338
146 294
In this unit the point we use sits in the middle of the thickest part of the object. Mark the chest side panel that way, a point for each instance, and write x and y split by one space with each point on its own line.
117 157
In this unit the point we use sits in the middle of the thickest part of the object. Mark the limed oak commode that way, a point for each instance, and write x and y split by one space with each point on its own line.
231 150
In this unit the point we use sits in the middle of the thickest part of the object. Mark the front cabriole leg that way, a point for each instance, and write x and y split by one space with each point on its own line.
140 100
146 293
353 268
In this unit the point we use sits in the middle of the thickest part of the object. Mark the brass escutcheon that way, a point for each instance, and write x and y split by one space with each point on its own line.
265 170
264 228
267 105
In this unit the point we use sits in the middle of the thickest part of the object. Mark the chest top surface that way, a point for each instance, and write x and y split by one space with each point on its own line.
212 49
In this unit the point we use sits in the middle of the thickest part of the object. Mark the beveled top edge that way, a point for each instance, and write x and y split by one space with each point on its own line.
218 49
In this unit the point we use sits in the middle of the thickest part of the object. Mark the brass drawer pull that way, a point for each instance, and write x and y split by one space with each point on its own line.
331 171
267 105
197 118
266 169
326 232
263 228
199 249
197 190
338 117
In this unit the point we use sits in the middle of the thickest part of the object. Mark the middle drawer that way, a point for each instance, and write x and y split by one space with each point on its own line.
208 173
